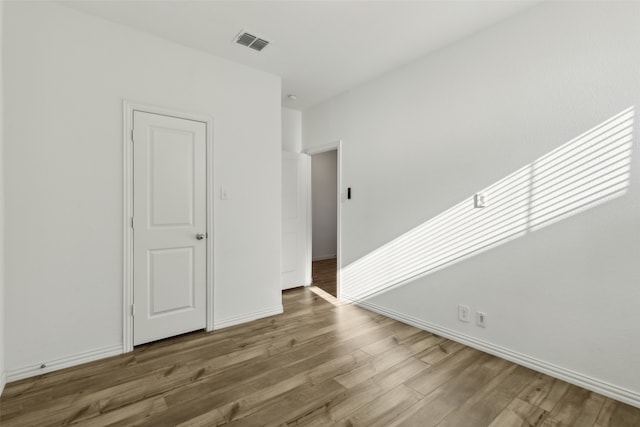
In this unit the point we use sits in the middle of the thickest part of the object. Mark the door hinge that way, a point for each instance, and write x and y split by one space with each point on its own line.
131 222
133 309
132 140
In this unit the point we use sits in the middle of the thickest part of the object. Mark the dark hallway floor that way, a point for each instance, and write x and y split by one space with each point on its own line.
324 275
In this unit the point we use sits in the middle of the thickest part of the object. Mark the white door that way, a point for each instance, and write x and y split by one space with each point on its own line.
296 258
169 226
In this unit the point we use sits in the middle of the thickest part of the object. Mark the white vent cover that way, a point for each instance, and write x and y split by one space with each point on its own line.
251 41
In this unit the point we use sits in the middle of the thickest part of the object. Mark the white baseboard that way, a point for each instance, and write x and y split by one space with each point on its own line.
244 318
323 257
63 362
611 390
299 285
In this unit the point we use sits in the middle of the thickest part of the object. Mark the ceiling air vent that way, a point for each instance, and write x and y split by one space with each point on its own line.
249 40
259 44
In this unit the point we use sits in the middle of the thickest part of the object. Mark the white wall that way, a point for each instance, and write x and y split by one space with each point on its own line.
421 139
291 130
324 204
66 76
2 299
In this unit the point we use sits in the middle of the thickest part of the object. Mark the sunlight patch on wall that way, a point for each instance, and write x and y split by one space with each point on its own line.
584 172
591 169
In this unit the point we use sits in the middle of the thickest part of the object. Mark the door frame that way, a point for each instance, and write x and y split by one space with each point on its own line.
128 109
336 145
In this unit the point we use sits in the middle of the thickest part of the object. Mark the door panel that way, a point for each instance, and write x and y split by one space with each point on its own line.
172 177
295 178
169 212
171 280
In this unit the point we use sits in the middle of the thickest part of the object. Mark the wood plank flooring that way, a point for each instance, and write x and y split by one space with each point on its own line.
324 275
320 363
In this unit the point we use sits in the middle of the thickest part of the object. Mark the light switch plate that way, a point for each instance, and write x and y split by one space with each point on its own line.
481 319
224 194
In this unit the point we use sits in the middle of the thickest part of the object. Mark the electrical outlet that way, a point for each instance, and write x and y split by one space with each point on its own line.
481 319
479 201
463 313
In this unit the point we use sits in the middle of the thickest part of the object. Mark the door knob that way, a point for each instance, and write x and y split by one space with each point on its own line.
200 236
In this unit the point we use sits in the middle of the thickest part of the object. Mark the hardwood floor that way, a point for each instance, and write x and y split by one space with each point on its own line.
320 363
324 275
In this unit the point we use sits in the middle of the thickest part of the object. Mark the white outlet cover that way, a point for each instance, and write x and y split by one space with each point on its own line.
463 313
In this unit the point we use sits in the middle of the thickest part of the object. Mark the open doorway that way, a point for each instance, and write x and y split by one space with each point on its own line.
324 218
